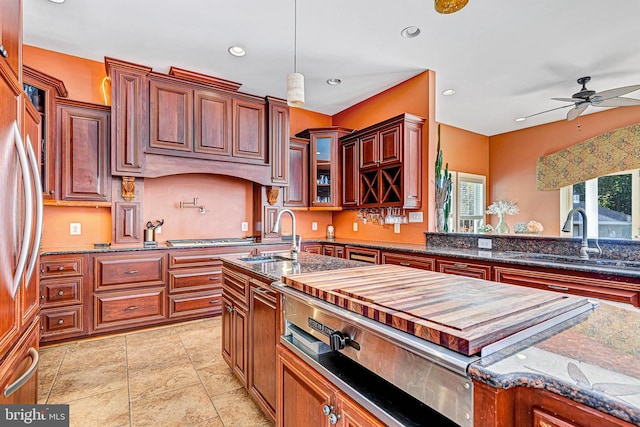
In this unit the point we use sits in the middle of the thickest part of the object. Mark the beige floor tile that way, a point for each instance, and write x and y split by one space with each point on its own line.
140 358
155 380
80 383
107 409
89 355
152 337
48 367
218 378
198 325
178 407
236 409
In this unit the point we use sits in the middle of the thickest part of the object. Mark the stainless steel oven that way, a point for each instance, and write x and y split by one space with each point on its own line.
401 379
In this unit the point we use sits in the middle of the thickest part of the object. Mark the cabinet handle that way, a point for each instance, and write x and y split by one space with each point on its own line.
406 264
12 388
333 418
131 272
262 290
213 279
60 321
412 197
60 293
558 288
213 301
60 268
459 265
3 51
131 308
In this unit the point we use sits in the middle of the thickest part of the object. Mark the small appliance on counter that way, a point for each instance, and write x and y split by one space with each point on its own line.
150 234
330 232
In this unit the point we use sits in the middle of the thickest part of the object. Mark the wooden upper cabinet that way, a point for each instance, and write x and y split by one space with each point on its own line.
297 193
279 140
83 135
130 121
11 35
170 115
212 123
349 172
248 137
42 90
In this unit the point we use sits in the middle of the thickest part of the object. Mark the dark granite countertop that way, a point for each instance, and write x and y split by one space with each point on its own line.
593 359
306 263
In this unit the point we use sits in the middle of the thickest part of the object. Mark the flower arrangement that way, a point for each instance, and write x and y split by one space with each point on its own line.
502 207
531 227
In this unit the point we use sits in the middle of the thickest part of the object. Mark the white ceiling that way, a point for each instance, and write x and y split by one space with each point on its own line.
505 59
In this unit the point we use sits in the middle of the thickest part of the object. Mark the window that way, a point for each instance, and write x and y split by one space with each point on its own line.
612 204
468 202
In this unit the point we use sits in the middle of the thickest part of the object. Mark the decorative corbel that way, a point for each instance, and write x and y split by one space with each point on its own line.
272 194
128 188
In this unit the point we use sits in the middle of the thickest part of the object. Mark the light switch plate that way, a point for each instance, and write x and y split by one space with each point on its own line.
355 226
416 217
245 226
75 229
314 226
484 243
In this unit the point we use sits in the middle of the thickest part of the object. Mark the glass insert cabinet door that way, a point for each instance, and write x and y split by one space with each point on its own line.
324 169
323 173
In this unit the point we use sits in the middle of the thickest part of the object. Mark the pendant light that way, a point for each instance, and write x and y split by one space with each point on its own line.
295 80
449 6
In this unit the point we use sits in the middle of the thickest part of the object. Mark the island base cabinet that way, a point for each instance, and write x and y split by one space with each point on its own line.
529 407
305 398
234 338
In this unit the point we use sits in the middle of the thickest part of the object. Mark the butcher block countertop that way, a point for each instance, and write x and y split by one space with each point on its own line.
456 312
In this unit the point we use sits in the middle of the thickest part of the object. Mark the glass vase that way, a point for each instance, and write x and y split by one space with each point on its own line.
440 220
502 227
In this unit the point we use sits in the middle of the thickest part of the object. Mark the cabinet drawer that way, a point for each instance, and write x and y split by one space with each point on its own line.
362 254
236 285
194 304
124 271
129 308
57 292
423 263
61 321
195 279
59 266
194 260
459 268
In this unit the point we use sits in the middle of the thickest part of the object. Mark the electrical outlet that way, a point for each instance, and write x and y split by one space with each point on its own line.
159 230
484 243
416 217
396 228
355 226
314 226
245 226
75 229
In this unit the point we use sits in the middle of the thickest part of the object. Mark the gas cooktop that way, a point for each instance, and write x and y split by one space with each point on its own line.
232 241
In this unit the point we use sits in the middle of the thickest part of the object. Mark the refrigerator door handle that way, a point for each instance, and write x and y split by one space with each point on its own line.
39 212
12 388
28 220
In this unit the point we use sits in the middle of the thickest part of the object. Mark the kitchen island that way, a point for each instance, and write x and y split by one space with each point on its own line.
585 369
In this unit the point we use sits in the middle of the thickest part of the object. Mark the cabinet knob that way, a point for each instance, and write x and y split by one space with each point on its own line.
3 51
41 296
60 268
104 194
60 321
60 293
326 409
52 192
333 419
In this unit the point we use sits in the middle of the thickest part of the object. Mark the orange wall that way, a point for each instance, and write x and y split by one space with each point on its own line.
82 77
95 226
513 162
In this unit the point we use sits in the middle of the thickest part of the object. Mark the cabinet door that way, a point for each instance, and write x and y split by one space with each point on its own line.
227 330
263 338
349 168
354 415
170 116
130 121
369 151
389 141
279 140
324 169
249 140
20 363
412 165
302 393
127 222
11 34
239 343
297 193
212 123
83 135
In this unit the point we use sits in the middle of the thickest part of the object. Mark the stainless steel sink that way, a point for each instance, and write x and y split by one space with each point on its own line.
564 259
259 259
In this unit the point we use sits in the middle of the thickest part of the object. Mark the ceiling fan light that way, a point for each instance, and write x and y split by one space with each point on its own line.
295 90
449 6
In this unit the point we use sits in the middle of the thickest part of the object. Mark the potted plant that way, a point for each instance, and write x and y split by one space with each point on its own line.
443 187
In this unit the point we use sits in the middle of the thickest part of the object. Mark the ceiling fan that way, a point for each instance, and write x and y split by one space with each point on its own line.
583 99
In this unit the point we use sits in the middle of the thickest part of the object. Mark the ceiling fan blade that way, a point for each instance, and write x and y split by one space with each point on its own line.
612 93
568 99
616 102
575 112
546 111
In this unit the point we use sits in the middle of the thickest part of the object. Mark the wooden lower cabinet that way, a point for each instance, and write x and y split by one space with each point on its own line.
529 407
234 338
306 398
125 309
21 363
463 268
312 248
333 250
406 260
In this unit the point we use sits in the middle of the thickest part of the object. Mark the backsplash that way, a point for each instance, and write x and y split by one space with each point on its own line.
628 250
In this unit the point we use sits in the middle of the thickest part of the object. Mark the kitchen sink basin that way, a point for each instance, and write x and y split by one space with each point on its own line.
564 259
264 258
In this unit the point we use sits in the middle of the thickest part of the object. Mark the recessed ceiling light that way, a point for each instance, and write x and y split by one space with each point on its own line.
520 119
334 82
410 32
237 51
57 1
448 92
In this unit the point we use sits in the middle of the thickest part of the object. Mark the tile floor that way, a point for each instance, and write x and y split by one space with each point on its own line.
168 376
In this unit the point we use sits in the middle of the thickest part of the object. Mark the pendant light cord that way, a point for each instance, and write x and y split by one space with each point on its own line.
295 35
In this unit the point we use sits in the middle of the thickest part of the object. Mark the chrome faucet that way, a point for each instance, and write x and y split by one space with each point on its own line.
585 250
295 246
